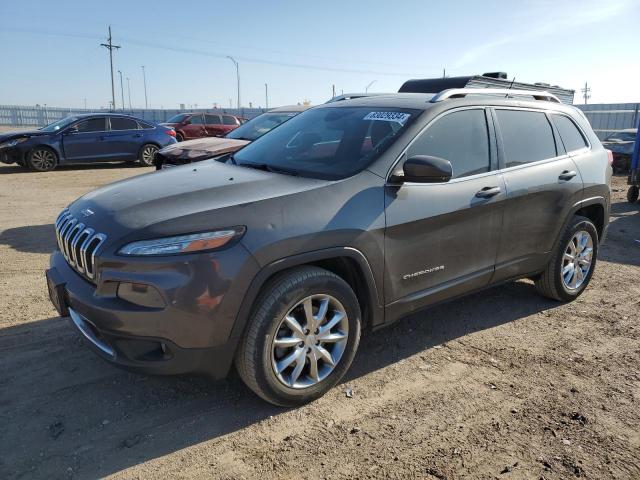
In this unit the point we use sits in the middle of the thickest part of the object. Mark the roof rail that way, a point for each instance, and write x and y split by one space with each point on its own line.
463 92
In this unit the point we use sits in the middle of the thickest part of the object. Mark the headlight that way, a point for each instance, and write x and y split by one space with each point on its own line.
195 242
13 143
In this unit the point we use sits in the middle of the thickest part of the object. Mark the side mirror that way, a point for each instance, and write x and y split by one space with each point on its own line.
425 169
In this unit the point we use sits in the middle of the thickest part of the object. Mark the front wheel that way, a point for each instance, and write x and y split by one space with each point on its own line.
632 194
302 338
147 154
42 159
572 264
179 137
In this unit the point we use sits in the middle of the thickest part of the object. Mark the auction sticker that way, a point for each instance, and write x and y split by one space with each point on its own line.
398 117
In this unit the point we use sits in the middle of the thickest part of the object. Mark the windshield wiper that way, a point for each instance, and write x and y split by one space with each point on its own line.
269 168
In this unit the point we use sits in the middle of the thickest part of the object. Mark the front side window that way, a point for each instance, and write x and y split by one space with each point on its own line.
460 137
213 119
121 123
327 142
569 133
92 125
196 120
526 136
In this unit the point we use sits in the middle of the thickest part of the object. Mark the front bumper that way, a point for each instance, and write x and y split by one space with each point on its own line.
12 155
190 333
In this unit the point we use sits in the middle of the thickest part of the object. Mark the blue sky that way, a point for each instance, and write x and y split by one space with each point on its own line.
51 53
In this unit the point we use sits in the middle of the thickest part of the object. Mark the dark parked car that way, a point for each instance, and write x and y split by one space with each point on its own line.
346 217
621 144
198 125
202 149
85 139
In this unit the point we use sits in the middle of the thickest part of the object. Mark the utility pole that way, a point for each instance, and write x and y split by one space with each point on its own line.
237 76
110 46
129 92
444 73
586 92
144 79
333 90
366 89
266 96
121 90
85 103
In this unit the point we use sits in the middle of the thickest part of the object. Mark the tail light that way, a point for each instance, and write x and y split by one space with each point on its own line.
171 132
610 156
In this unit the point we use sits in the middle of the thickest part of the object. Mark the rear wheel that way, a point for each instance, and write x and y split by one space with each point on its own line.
147 154
302 338
42 159
632 194
573 263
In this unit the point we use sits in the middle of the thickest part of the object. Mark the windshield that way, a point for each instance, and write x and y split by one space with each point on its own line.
181 117
55 126
256 127
328 143
621 137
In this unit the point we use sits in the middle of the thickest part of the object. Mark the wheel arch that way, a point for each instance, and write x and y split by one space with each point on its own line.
595 210
348 263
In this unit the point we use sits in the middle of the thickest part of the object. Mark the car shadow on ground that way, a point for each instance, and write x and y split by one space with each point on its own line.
11 169
65 410
30 239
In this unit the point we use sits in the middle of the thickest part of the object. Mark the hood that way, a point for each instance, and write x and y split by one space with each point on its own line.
21 134
202 148
183 199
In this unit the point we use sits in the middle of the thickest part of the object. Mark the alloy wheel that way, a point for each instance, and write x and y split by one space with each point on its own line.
309 341
577 260
43 160
148 153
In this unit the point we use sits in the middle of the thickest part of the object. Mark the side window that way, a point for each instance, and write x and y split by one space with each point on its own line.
196 120
144 125
571 137
526 136
92 125
213 119
460 137
227 120
121 123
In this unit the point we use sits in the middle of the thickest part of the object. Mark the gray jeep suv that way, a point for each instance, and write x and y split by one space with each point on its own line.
347 217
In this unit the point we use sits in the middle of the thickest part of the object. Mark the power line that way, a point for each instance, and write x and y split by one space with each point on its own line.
111 47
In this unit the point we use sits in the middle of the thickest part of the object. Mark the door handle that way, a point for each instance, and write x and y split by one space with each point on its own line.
567 175
488 192
137 135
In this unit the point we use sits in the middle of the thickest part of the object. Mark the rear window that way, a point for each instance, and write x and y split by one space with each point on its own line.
526 136
229 120
144 125
329 142
121 123
571 137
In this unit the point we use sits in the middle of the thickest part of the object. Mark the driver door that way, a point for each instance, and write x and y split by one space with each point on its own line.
87 141
442 238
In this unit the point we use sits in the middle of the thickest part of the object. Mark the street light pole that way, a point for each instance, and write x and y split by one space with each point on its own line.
366 89
266 96
121 90
129 93
237 76
144 79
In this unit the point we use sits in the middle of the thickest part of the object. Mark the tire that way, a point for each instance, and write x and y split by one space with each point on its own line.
179 137
632 194
579 236
147 154
287 296
42 159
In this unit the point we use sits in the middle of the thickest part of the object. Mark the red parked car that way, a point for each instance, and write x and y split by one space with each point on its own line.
198 125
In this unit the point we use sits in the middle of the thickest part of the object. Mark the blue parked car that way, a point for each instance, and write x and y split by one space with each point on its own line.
86 139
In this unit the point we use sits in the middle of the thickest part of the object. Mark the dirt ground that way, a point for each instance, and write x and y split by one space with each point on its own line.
502 384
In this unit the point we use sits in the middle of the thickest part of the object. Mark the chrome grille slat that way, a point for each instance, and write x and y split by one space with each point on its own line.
78 243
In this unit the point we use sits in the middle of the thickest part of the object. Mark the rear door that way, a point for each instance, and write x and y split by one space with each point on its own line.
543 183
195 127
213 125
442 238
125 138
88 141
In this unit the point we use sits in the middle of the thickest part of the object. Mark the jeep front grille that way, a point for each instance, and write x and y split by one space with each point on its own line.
79 244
